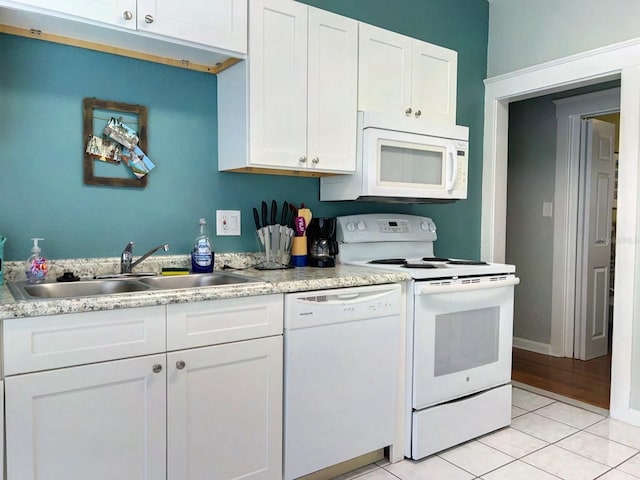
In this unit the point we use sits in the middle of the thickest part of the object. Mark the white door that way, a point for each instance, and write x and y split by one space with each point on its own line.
278 83
594 253
224 409
333 91
113 12
384 69
100 422
434 82
219 23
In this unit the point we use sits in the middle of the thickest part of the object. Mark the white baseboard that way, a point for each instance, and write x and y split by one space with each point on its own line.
532 346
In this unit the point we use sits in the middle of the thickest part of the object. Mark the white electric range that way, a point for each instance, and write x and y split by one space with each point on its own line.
459 332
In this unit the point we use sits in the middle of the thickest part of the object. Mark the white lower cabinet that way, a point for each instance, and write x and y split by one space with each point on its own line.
211 410
99 421
224 410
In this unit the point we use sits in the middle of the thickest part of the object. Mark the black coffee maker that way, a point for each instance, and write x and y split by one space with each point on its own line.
321 242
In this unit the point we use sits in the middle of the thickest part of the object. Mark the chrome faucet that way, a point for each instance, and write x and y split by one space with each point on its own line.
126 264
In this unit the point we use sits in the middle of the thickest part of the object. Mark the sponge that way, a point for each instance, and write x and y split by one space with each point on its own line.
175 271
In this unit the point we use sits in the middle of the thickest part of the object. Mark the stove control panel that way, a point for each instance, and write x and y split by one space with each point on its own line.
374 227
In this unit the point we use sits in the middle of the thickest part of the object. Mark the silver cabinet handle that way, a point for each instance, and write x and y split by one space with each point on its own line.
418 113
408 111
180 364
148 19
127 15
157 368
303 159
315 160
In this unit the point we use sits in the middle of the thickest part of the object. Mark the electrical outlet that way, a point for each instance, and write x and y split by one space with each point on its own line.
228 222
547 209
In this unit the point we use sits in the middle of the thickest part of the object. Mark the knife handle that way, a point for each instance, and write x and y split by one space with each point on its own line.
274 212
265 222
256 218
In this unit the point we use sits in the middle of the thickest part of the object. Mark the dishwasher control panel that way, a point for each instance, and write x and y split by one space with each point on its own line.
341 305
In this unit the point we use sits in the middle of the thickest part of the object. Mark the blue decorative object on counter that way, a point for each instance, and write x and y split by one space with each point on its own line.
2 241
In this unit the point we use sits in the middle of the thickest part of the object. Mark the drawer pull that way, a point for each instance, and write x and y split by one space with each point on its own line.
148 19
127 15
180 364
157 368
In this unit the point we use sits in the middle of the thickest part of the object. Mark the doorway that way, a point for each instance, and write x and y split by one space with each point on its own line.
543 221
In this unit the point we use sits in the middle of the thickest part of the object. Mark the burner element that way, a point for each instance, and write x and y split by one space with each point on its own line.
466 262
389 261
434 259
419 265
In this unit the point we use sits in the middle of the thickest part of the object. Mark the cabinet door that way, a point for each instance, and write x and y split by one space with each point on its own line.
384 83
100 422
216 23
224 407
113 12
333 91
278 83
434 82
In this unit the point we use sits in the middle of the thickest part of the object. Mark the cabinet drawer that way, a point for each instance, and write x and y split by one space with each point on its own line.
43 343
221 321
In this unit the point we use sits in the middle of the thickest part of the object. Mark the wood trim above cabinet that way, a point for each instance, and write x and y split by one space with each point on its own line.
123 52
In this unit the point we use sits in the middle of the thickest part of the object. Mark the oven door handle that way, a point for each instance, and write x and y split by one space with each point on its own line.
430 289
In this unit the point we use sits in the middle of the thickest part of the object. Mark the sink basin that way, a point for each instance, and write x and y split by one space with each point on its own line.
27 291
194 280
109 286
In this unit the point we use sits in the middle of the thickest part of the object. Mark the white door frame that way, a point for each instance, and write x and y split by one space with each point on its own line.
616 61
569 112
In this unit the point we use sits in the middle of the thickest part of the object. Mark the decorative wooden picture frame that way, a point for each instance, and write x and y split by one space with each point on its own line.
89 105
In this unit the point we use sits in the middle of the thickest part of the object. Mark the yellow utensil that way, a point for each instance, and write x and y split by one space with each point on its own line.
306 214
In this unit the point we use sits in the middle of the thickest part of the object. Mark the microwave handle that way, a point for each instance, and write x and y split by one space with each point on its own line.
451 181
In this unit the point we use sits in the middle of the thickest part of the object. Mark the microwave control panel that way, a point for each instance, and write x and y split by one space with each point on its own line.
462 161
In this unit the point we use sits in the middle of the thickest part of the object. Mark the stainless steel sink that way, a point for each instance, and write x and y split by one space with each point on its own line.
109 286
194 280
88 288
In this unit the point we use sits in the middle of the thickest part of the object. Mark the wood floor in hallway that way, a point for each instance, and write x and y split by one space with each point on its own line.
589 381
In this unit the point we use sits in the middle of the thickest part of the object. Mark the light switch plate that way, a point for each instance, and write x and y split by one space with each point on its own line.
547 209
228 222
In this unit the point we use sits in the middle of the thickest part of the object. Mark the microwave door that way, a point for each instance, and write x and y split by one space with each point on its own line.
452 169
406 165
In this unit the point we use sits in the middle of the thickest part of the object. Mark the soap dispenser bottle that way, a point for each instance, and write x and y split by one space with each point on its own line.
37 266
202 256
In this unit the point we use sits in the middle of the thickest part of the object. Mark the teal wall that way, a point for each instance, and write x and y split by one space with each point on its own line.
41 189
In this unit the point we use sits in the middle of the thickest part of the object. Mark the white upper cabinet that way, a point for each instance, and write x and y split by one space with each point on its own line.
120 13
219 23
277 83
298 114
198 34
332 91
402 75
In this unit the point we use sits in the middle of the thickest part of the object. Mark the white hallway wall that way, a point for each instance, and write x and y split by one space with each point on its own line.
538 47
523 33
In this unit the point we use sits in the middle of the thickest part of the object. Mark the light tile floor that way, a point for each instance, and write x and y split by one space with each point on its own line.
547 439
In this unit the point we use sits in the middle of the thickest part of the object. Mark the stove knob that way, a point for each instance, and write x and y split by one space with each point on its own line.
428 226
350 226
361 226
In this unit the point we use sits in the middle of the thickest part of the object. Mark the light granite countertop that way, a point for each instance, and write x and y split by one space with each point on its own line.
268 282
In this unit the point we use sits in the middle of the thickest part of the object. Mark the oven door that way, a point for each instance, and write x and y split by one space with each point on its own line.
462 337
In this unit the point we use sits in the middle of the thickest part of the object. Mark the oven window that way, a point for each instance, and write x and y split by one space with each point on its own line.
410 165
466 340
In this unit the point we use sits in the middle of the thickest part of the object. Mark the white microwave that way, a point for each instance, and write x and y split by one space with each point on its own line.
403 159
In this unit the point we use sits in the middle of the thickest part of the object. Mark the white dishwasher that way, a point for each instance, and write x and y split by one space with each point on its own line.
341 359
